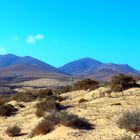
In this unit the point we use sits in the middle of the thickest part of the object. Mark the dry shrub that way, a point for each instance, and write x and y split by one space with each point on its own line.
44 93
46 106
45 126
122 82
49 104
13 131
24 97
48 123
130 121
86 84
63 89
7 110
71 120
4 98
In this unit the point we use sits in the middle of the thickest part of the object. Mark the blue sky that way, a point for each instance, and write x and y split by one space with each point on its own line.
59 31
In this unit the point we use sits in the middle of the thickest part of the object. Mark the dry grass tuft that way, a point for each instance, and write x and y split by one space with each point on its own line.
130 121
13 131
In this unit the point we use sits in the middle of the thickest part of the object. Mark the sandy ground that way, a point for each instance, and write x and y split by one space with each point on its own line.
97 109
45 82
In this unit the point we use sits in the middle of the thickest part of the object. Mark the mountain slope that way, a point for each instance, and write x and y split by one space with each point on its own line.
90 68
81 66
19 67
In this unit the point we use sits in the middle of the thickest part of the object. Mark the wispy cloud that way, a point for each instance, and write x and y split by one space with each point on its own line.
2 50
32 39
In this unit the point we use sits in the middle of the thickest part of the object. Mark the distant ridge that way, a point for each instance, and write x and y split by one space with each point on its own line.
19 68
15 69
80 66
91 68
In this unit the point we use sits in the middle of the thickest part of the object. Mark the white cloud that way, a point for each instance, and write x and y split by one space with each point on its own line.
32 39
2 50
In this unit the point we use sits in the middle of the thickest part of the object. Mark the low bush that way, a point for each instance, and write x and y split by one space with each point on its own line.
122 82
7 110
130 121
43 127
71 120
24 97
86 84
44 93
48 123
5 98
46 106
63 89
13 131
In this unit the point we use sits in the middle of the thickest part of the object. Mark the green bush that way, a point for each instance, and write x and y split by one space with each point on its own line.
13 131
7 110
122 82
86 84
130 121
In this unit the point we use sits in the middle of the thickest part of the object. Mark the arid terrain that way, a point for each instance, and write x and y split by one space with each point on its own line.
101 110
69 70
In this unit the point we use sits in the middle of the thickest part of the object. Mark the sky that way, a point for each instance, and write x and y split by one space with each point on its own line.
60 31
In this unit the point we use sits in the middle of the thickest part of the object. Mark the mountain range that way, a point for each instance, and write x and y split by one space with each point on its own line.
90 68
15 69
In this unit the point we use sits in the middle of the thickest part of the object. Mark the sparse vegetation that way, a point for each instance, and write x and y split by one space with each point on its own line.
126 137
7 110
44 93
63 89
122 82
130 121
46 106
24 97
86 84
55 118
13 131
45 126
4 98
71 120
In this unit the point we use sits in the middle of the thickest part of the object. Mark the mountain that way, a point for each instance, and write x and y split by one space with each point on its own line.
81 66
22 68
90 68
16 69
